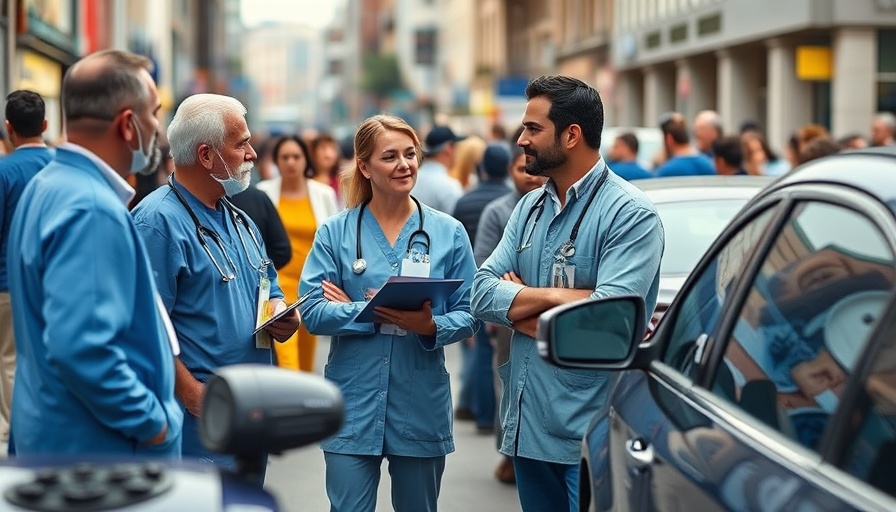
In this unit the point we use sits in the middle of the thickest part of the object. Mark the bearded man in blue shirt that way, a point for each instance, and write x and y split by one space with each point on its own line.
587 234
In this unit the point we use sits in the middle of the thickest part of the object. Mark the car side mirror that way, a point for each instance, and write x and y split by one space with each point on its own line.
599 334
249 410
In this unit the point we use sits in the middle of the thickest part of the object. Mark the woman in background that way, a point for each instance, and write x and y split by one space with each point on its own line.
325 161
467 153
303 205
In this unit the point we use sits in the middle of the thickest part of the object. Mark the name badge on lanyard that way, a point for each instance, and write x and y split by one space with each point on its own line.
264 311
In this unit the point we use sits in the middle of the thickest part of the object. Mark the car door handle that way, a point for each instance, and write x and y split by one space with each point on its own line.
640 453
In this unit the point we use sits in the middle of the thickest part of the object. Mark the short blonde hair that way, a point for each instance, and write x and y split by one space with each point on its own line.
355 187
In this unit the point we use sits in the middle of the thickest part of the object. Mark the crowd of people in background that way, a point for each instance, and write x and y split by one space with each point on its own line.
468 184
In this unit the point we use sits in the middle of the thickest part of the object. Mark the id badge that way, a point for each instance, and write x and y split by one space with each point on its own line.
414 268
563 275
264 310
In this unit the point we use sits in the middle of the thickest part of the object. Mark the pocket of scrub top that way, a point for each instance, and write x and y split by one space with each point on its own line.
346 377
566 415
428 407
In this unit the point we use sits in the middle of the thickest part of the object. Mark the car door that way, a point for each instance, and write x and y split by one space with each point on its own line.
635 463
755 359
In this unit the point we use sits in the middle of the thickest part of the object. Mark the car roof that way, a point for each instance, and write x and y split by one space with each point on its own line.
872 171
696 188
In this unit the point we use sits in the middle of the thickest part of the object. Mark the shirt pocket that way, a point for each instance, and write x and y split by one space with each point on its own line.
586 272
568 412
347 378
428 407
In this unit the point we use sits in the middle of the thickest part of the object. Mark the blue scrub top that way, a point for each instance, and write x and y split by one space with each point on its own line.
396 388
213 319
618 251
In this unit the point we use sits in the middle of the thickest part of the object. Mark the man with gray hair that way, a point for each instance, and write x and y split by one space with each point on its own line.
95 350
209 259
707 129
883 128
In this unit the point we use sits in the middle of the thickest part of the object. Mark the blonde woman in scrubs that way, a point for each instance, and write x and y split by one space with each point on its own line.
303 204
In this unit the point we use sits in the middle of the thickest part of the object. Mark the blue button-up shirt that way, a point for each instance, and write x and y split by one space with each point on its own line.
618 251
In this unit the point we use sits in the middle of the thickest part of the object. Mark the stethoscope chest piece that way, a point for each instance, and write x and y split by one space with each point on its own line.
359 266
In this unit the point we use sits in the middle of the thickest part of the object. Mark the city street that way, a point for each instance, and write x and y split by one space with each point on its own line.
297 479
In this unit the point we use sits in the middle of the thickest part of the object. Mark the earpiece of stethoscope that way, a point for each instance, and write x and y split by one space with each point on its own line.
359 266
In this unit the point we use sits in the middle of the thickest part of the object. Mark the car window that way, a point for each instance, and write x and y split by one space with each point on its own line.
690 227
700 306
817 296
871 454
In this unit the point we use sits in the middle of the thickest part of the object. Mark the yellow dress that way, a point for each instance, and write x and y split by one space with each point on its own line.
297 352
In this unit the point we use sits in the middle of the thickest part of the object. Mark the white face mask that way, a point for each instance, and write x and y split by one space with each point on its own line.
145 163
233 185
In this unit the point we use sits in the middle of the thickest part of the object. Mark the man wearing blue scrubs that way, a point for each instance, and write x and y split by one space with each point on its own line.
587 234
209 259
95 371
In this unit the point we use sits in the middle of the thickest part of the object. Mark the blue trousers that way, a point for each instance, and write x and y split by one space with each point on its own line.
194 449
546 486
352 482
482 380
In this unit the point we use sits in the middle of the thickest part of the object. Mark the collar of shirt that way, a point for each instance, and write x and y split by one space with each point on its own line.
579 188
121 187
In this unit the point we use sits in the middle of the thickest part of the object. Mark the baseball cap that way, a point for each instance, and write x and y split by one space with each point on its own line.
496 160
438 138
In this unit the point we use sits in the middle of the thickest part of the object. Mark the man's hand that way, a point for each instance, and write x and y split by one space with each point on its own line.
190 394
285 327
419 321
527 325
513 278
158 438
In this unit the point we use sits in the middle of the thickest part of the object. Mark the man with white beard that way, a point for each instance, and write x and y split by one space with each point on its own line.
208 257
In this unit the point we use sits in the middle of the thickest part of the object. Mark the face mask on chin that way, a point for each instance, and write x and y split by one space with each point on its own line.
145 163
234 185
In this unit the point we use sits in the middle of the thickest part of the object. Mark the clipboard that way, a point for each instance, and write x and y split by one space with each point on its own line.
283 313
409 293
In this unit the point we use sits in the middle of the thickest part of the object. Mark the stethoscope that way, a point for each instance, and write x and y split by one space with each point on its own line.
568 248
360 264
202 232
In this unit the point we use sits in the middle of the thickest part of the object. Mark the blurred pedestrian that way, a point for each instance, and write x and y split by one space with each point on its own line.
681 158
392 372
817 148
728 156
303 204
852 141
544 260
25 124
883 128
491 228
707 129
95 350
467 156
258 206
324 161
435 187
478 376
623 156
758 157
209 260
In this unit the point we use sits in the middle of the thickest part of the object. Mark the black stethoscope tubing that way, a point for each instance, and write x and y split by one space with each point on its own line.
235 217
360 264
568 248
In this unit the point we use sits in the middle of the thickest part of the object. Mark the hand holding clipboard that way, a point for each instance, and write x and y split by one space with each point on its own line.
267 323
409 293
